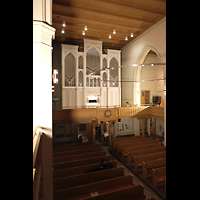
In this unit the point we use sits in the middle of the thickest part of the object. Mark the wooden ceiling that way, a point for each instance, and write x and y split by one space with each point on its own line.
102 16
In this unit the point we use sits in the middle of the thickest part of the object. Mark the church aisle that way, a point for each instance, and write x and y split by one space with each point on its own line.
136 180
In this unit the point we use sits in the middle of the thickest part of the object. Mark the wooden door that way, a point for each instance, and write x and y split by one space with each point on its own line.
145 96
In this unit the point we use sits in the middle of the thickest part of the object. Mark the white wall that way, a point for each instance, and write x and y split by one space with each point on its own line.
154 38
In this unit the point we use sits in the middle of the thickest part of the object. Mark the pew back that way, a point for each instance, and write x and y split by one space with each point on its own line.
85 178
100 187
78 170
76 163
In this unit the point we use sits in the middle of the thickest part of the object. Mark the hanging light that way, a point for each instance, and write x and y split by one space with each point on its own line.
63 24
83 33
63 31
85 28
132 35
126 38
114 31
109 36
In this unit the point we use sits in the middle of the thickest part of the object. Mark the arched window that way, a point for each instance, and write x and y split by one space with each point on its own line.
104 63
92 62
104 80
70 70
80 62
114 73
80 79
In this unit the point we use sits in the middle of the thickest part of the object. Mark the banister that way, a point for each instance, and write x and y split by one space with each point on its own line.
37 170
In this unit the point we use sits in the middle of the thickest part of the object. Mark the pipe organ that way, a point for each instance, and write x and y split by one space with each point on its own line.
90 78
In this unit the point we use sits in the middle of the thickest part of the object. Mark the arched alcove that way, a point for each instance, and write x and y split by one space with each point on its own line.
144 73
92 62
70 70
113 72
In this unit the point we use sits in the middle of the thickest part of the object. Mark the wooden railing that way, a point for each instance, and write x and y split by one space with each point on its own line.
106 114
37 163
153 111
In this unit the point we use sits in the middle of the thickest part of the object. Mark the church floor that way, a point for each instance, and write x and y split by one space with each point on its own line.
148 191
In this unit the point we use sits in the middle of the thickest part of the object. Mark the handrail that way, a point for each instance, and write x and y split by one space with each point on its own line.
37 170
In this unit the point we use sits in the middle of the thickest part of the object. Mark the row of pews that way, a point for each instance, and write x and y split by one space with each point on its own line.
84 171
145 156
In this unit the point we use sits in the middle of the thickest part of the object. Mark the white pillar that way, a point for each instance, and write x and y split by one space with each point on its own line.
43 33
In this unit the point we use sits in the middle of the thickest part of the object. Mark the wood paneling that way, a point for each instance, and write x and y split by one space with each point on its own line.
101 17
106 114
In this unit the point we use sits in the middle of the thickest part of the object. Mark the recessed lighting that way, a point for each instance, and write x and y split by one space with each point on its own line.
83 33
62 31
109 36
63 24
132 35
86 28
126 38
114 31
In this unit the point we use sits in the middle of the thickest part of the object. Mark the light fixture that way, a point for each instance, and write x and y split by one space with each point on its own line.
132 35
63 31
83 33
85 28
63 24
114 31
126 38
109 36
55 79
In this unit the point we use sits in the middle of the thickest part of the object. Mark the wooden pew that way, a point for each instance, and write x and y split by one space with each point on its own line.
78 170
130 142
158 175
75 148
79 156
86 178
74 152
119 140
100 187
147 166
143 151
61 145
130 193
76 163
121 148
141 158
127 151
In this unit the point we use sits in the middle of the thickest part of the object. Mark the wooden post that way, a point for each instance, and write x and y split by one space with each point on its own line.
93 131
110 124
102 129
143 127
113 129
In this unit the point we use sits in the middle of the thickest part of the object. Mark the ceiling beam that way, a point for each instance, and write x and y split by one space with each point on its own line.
99 17
151 6
111 9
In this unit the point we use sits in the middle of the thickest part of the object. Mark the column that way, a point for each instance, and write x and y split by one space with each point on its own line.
93 131
110 124
143 127
102 131
43 33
